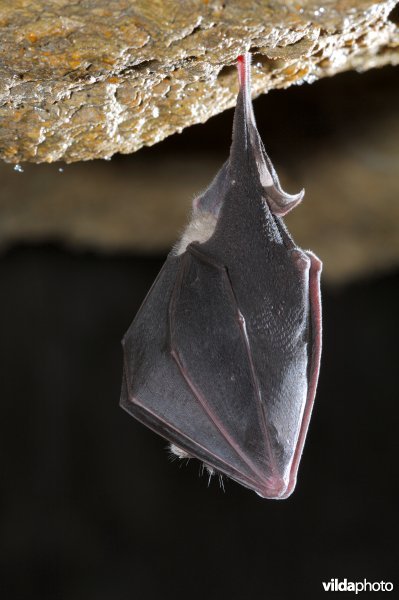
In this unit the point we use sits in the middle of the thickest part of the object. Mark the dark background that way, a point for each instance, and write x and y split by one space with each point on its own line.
91 506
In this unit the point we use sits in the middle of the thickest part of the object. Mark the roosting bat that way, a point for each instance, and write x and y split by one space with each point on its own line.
223 356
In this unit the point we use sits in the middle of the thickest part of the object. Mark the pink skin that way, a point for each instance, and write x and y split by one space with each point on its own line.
315 312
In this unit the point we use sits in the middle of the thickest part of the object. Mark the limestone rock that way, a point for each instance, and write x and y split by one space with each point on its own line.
349 216
85 79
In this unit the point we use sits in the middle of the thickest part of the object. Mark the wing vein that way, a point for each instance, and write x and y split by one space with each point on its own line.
255 381
197 394
135 400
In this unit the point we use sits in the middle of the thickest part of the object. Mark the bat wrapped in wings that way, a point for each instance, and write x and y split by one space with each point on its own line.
223 356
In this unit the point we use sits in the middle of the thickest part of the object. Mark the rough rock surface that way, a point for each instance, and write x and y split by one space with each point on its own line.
349 217
85 79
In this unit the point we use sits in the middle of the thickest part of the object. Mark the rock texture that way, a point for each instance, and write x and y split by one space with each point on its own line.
85 79
349 216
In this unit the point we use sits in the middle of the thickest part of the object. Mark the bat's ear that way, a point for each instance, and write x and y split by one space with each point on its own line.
248 146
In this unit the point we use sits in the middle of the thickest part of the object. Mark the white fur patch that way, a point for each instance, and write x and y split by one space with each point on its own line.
210 470
200 229
178 451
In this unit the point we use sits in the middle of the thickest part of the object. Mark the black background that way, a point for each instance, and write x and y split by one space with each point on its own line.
91 506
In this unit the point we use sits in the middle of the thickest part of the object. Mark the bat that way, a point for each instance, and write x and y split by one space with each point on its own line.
222 358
